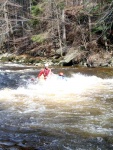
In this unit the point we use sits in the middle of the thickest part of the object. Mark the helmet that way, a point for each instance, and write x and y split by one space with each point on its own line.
61 74
46 65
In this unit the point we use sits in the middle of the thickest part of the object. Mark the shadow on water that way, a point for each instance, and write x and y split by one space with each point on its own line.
99 72
33 141
33 120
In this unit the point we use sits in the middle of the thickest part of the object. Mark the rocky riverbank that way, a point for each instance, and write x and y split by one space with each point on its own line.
27 60
73 58
76 37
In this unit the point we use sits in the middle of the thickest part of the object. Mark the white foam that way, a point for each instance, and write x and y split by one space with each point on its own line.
78 84
52 101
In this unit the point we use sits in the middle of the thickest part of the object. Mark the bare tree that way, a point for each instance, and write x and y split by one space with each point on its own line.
10 17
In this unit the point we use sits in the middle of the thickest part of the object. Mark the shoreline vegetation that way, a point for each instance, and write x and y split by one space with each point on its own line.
96 61
62 33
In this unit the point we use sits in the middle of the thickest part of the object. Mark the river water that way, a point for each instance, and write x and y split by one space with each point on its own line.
71 114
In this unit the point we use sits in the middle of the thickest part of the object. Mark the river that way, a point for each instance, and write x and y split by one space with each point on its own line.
71 114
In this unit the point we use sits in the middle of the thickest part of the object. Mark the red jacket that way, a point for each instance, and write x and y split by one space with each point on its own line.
45 72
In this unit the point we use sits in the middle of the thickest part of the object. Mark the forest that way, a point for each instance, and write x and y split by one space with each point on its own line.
61 32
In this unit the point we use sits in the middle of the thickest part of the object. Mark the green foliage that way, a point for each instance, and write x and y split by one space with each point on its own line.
95 9
36 10
34 22
109 1
7 59
4 59
34 2
100 28
61 5
38 38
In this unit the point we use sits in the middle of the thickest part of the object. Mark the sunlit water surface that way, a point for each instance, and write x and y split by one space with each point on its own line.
71 114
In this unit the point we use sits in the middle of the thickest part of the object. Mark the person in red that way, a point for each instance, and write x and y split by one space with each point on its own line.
46 72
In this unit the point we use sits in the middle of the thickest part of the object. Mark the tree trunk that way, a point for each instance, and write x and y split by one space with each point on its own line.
58 28
90 35
63 27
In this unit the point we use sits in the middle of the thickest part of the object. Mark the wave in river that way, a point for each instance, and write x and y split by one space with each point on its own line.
78 105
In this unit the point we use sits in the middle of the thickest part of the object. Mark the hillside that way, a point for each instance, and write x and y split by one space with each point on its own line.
68 33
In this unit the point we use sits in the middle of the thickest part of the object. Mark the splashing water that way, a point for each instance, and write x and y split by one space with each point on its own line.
79 104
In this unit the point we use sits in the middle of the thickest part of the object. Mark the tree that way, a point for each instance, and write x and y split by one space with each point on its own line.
13 14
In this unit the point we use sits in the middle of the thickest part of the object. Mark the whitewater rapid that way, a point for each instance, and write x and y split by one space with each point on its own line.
77 85
74 109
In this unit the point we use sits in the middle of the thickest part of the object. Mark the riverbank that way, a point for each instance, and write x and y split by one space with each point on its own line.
24 59
73 58
80 36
